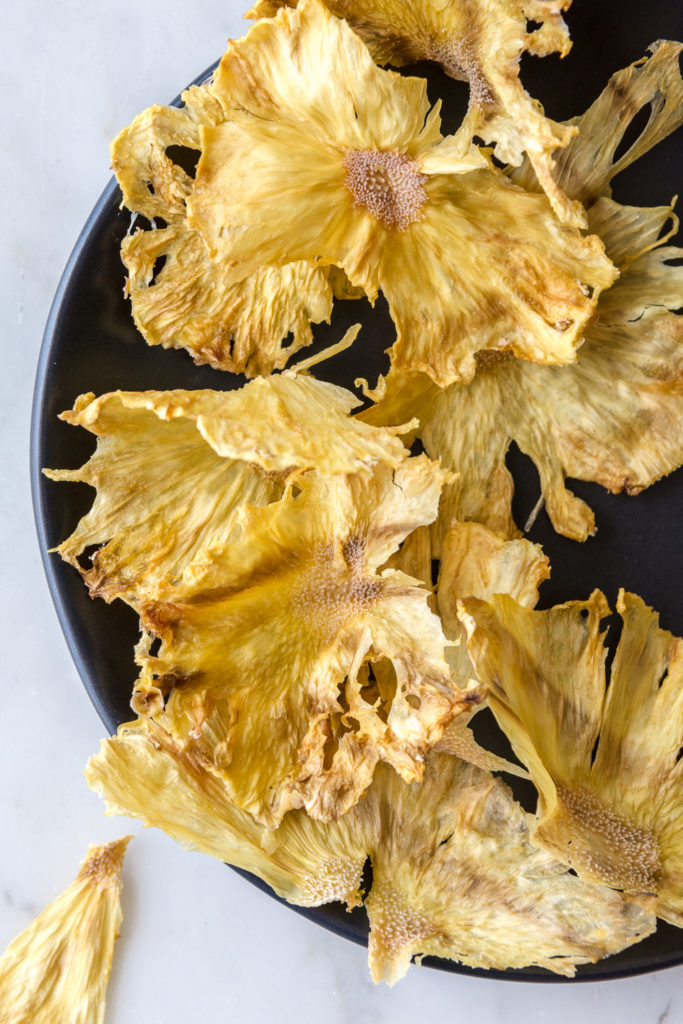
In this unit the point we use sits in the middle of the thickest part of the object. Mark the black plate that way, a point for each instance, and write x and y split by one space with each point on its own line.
91 344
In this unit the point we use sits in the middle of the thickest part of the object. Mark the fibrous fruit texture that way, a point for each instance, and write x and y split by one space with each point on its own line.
57 970
173 469
179 297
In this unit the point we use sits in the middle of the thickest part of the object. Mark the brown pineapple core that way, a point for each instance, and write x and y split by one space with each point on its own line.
389 186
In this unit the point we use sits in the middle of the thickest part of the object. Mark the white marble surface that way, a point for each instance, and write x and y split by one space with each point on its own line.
197 940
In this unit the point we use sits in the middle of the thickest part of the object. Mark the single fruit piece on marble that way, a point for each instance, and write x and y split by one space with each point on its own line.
56 971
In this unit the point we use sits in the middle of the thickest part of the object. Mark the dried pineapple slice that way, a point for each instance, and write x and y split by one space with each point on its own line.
242 326
264 644
58 968
172 469
346 164
606 762
480 42
616 416
453 872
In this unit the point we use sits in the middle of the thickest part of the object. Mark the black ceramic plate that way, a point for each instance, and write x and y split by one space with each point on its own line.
91 344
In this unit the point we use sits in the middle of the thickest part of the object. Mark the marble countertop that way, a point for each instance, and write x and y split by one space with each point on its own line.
197 940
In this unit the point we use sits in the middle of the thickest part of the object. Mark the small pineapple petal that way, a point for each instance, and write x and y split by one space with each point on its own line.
179 298
58 968
586 167
241 328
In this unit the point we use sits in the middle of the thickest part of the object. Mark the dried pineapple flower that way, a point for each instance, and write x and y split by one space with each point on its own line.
616 417
454 873
605 759
346 165
266 643
252 326
172 469
480 42
57 970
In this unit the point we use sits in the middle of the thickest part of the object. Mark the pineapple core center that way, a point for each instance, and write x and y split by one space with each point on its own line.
388 185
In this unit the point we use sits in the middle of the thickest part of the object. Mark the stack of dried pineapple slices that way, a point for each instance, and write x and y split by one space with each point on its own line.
305 692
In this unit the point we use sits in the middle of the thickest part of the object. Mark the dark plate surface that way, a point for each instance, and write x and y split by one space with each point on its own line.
91 344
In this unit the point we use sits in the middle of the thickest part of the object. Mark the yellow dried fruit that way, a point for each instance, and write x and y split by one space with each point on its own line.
266 642
354 172
616 417
58 968
480 42
586 167
605 759
252 326
476 562
143 773
454 873
172 469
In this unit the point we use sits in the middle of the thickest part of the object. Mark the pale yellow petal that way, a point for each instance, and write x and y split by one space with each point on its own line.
58 968
630 231
251 327
586 167
305 63
152 182
476 562
179 299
